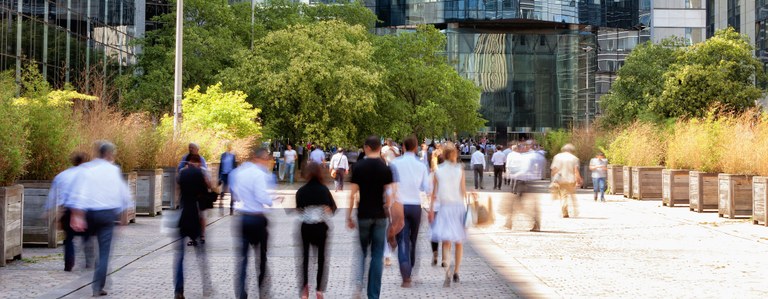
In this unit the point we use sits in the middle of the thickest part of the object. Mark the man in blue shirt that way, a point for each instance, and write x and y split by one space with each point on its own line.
193 149
228 163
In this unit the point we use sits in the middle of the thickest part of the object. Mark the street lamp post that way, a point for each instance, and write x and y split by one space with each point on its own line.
178 67
587 49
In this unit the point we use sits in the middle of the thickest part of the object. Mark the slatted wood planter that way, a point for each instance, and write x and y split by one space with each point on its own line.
735 195
627 180
149 192
11 222
760 200
615 179
213 172
129 215
38 230
702 191
170 188
646 182
674 185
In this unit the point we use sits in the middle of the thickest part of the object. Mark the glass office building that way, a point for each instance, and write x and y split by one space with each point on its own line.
541 64
82 42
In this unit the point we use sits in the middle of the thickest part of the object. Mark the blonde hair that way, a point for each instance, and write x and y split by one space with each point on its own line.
449 152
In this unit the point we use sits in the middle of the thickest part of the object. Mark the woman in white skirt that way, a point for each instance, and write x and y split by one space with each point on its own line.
449 189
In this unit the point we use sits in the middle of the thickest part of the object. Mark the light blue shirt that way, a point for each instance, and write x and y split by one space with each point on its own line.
317 156
227 162
412 177
99 185
250 185
61 187
183 163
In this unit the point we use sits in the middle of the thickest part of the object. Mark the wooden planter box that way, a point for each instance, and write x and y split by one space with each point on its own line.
735 195
11 222
674 186
646 182
39 230
760 200
129 215
702 191
149 192
170 188
615 179
626 172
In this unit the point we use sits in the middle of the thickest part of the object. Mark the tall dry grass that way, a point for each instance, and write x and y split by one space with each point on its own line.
761 145
640 144
696 144
212 145
739 150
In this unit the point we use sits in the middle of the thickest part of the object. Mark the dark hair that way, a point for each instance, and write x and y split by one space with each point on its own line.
373 142
194 158
313 171
78 158
478 147
410 143
259 153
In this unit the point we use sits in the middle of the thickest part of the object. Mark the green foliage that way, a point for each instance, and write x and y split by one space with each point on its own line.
640 144
553 141
695 144
315 81
226 113
721 70
424 95
14 152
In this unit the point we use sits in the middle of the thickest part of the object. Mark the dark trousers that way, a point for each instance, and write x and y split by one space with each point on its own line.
497 171
373 233
101 224
314 235
406 240
69 243
253 233
339 180
478 169
298 162
435 245
179 266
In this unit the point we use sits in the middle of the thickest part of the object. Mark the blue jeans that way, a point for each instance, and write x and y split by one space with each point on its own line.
406 240
289 169
599 186
372 234
202 259
101 224
253 232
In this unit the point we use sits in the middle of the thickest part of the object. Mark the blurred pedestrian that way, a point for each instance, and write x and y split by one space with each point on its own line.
565 178
507 151
599 167
300 153
478 166
412 178
317 155
290 162
449 191
389 151
373 180
523 168
251 183
228 163
193 149
99 195
498 167
194 186
316 206
424 155
59 196
339 167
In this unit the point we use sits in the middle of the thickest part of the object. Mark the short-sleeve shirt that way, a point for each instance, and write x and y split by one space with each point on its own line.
290 156
371 175
600 172
565 164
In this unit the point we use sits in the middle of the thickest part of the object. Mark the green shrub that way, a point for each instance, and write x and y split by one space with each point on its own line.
695 145
640 144
13 134
553 141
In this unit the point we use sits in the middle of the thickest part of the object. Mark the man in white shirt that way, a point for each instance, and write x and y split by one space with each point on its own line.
250 185
507 151
317 155
478 166
389 152
339 164
565 177
411 178
290 162
498 167
98 196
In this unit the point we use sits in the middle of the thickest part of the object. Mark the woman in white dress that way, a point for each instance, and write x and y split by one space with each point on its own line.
449 189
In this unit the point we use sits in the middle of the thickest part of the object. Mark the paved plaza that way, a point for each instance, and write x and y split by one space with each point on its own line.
619 249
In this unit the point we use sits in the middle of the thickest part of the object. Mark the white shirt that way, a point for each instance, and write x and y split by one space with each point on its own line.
317 156
478 158
506 153
526 166
339 160
250 185
449 183
513 159
498 158
389 153
61 187
290 156
99 185
412 178
565 164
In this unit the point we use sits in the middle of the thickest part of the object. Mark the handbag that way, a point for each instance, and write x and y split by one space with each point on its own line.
208 199
333 173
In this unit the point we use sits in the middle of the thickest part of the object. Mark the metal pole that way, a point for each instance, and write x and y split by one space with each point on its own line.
178 68
19 12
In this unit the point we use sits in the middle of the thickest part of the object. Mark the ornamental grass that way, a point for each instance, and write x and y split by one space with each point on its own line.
640 144
695 144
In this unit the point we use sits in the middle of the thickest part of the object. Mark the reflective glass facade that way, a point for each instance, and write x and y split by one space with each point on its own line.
73 41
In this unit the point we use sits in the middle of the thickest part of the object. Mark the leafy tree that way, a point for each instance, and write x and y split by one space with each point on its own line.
721 71
14 149
312 81
639 79
226 113
424 95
